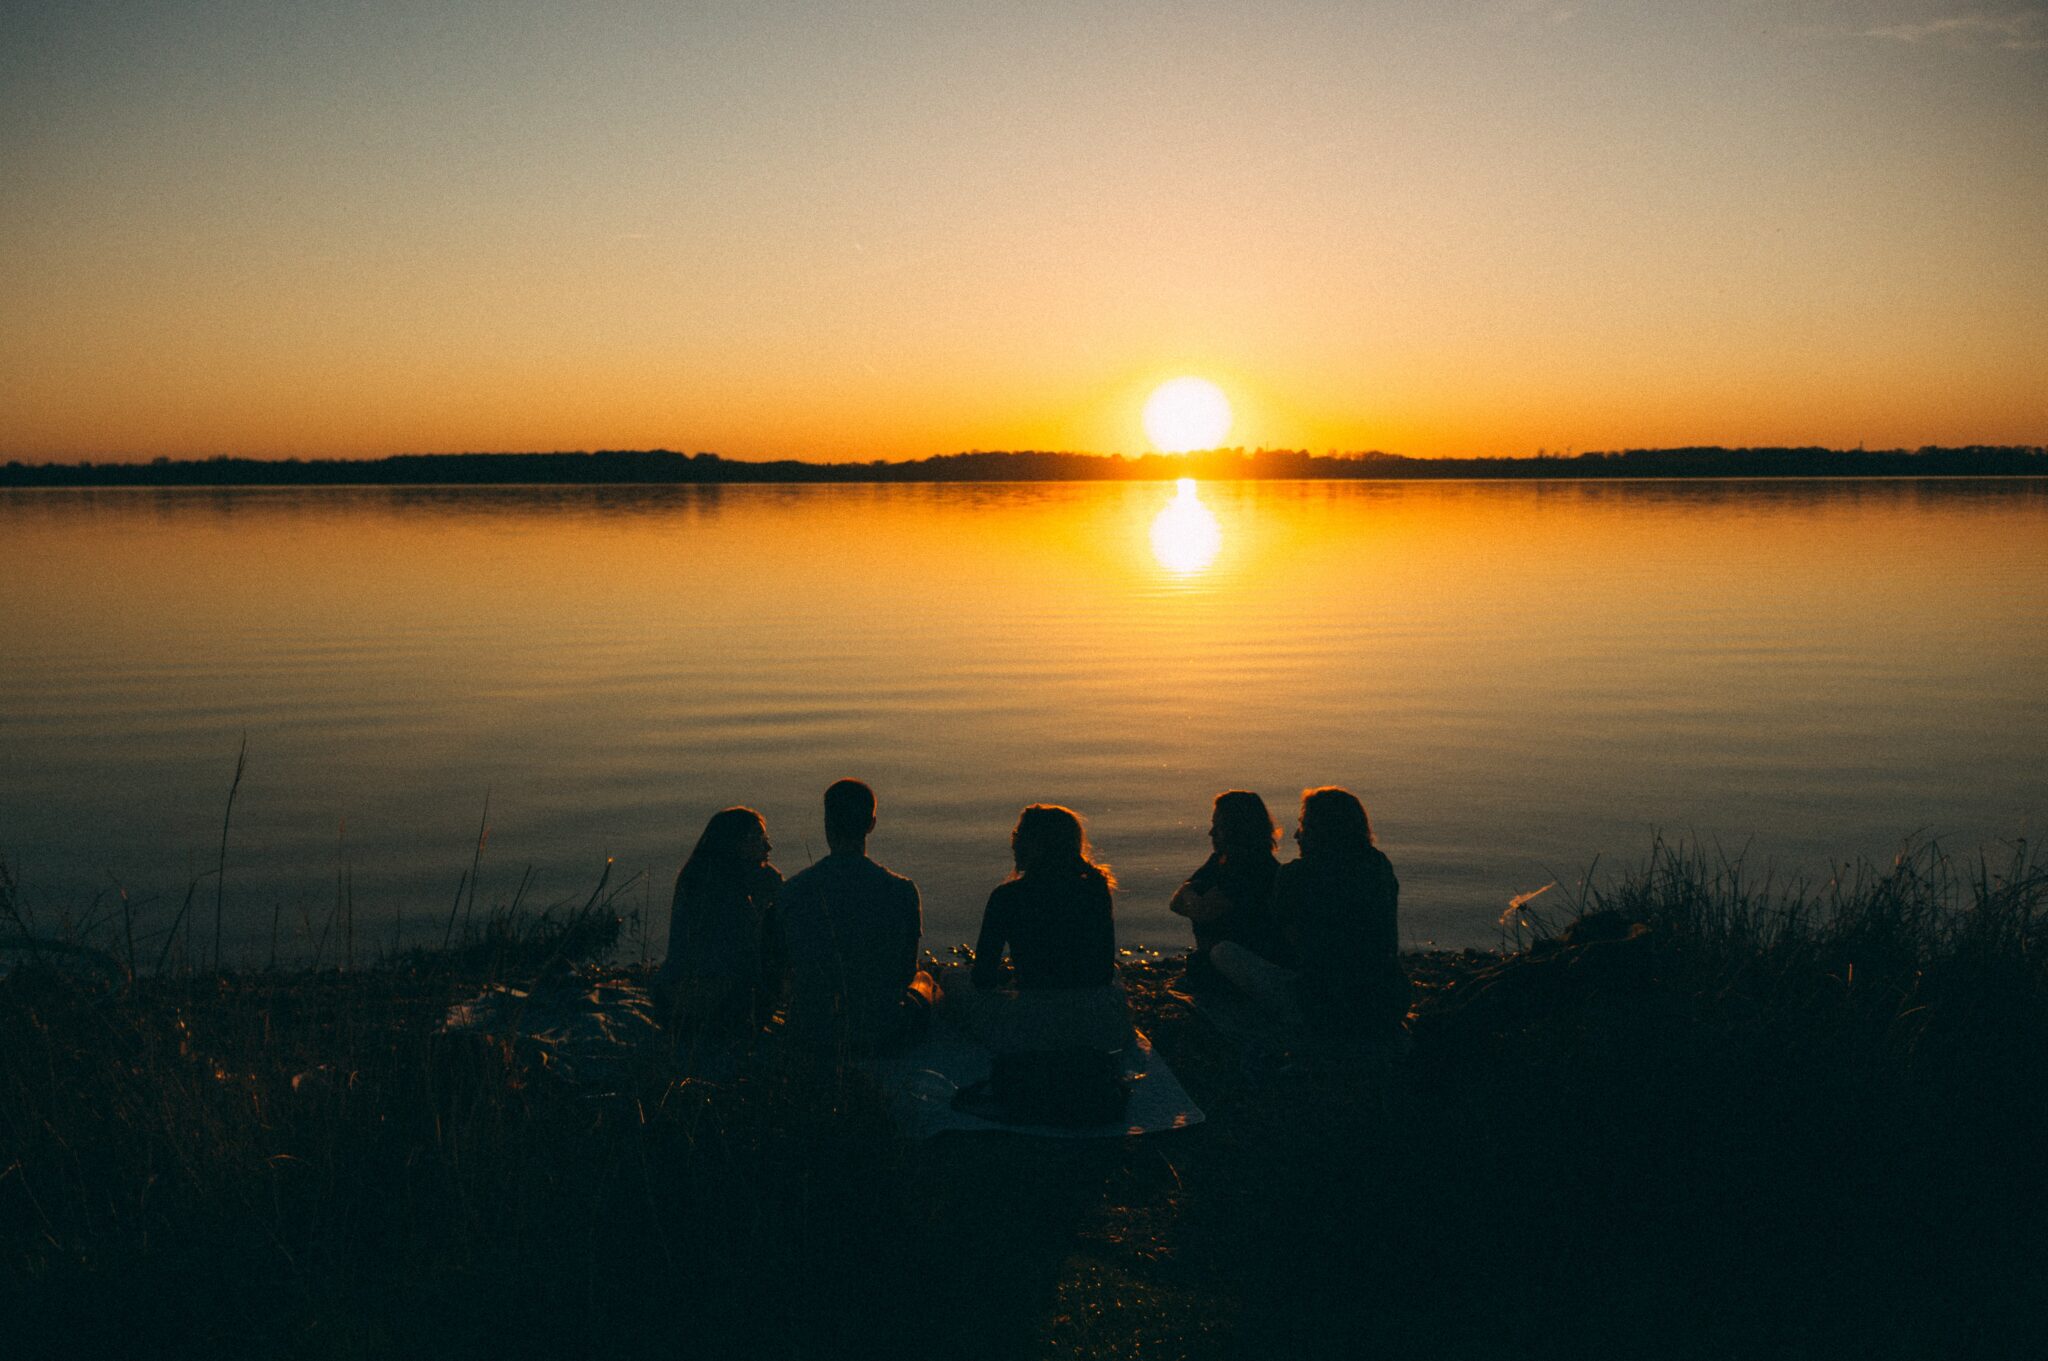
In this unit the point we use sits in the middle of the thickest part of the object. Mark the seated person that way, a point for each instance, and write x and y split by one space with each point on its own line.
850 932
1052 919
1337 905
1230 896
719 933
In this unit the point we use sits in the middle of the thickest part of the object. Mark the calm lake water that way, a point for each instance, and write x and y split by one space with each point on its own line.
1517 677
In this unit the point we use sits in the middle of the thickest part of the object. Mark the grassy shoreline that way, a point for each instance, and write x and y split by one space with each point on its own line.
1690 1116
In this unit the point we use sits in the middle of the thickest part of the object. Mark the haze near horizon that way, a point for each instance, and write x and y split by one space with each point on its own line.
889 231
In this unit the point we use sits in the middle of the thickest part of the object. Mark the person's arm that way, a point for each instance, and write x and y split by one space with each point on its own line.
988 971
913 922
774 946
1104 942
1202 908
1202 898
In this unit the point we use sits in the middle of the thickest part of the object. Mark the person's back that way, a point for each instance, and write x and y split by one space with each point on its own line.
850 932
1340 912
1059 930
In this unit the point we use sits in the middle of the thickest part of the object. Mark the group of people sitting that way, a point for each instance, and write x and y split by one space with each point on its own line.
1311 942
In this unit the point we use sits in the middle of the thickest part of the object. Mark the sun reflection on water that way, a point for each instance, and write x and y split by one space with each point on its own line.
1185 536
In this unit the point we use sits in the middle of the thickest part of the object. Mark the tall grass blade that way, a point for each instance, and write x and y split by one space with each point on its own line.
483 832
220 872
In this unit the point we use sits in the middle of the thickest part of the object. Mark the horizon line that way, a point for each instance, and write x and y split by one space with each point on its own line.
1239 452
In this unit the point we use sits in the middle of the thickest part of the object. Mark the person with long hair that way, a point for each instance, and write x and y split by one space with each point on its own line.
1044 975
1229 898
719 968
1338 906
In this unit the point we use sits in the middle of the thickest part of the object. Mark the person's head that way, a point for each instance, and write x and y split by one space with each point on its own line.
849 815
733 840
1051 840
1241 825
1333 822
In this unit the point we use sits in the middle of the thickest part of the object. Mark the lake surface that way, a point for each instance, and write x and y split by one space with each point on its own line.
1517 678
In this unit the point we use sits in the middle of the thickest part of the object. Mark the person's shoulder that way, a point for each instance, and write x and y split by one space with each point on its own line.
882 871
804 880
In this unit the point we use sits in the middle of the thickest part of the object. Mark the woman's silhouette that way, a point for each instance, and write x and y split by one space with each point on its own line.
1052 920
1230 897
718 968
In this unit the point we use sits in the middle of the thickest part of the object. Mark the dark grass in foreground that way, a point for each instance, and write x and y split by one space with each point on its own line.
1698 1119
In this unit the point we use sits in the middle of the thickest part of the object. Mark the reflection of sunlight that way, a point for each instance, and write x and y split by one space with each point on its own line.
1185 537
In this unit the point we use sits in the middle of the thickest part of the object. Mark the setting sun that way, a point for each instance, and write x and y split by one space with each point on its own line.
1185 414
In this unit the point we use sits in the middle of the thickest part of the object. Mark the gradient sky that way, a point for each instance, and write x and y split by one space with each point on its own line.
891 230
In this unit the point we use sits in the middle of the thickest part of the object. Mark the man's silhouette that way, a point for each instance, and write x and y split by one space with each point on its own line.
851 930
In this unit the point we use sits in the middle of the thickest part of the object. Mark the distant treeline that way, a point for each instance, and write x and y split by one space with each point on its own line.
663 465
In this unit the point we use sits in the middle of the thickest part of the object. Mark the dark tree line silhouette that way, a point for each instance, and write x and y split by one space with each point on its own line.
614 466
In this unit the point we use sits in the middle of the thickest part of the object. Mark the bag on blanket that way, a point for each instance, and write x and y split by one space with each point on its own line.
1064 1088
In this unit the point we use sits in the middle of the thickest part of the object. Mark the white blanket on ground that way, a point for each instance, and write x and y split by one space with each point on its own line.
921 1082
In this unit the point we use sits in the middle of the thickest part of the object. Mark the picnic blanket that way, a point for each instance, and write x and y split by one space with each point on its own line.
921 1081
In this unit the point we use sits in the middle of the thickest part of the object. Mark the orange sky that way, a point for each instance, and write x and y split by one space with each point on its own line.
893 230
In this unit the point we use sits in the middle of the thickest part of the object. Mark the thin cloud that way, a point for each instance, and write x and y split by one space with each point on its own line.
2016 31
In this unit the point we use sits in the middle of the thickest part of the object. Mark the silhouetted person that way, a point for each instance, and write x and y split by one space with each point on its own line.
719 930
1230 897
850 930
1337 905
1052 918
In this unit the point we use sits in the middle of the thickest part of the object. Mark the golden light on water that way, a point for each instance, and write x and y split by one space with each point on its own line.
1185 414
1185 535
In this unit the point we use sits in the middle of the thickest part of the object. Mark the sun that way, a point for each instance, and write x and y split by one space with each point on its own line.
1187 413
